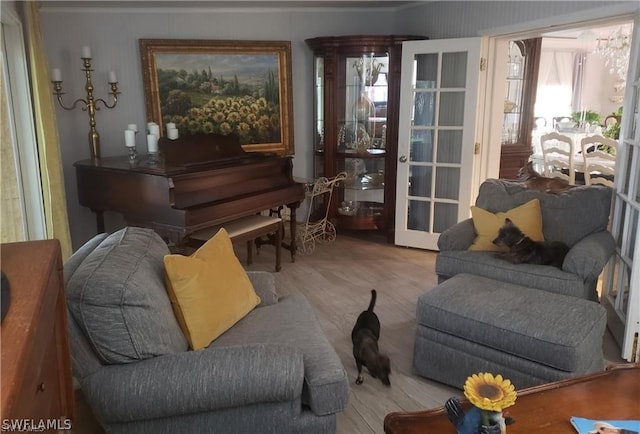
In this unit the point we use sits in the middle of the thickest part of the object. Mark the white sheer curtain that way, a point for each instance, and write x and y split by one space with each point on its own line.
555 78
579 68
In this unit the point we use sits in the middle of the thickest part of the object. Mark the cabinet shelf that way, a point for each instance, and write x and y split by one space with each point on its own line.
370 153
362 187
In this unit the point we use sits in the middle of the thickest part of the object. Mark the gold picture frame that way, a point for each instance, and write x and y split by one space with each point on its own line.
223 87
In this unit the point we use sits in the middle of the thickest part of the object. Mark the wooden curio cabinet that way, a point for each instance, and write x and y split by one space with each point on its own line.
522 79
356 97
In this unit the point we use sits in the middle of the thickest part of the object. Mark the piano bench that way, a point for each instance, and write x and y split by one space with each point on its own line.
245 229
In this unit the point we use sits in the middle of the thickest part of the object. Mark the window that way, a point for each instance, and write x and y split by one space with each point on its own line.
22 215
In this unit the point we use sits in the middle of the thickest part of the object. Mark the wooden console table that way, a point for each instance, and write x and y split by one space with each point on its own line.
37 385
613 394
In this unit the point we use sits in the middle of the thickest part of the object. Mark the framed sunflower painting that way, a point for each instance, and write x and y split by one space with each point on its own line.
221 87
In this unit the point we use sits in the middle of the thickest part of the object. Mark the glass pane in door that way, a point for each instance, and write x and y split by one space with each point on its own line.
420 181
419 215
423 112
445 216
447 183
426 70
454 69
449 146
451 109
421 147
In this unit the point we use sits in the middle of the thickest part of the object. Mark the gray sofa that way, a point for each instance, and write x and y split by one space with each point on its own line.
577 217
274 371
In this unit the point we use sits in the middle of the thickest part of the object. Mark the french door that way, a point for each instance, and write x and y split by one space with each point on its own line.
621 288
438 101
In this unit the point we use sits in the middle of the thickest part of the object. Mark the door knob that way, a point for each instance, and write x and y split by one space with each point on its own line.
403 159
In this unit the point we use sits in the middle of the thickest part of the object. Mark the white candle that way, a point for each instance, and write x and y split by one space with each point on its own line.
112 77
171 126
132 127
152 143
86 52
56 75
129 138
149 124
155 130
172 133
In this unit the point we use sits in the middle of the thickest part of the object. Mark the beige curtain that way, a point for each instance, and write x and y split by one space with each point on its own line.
55 203
11 213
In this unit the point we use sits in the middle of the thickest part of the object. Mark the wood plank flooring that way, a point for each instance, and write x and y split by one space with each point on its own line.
337 279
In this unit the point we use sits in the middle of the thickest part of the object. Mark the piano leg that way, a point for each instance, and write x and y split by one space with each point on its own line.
292 228
99 221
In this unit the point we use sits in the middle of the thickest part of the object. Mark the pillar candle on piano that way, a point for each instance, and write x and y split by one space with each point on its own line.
172 133
152 143
155 130
129 138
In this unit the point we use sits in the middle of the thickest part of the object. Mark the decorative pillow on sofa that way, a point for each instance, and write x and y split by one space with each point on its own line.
117 296
209 290
527 217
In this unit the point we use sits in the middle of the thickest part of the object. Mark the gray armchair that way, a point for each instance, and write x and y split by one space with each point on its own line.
577 217
274 371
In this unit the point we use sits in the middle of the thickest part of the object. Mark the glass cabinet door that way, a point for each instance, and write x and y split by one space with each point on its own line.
513 96
319 139
361 139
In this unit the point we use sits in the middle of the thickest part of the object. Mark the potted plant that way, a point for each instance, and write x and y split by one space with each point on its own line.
589 116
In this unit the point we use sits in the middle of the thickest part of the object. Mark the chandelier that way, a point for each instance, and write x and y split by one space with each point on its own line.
615 50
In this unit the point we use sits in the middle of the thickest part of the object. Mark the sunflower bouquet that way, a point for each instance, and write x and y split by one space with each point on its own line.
491 395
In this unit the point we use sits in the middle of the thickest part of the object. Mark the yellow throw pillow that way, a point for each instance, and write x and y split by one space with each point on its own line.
528 217
209 290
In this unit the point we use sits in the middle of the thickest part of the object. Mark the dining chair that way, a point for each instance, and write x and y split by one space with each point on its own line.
599 154
558 156
612 119
539 122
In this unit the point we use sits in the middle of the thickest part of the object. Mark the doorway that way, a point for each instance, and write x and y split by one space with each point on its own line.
577 73
621 289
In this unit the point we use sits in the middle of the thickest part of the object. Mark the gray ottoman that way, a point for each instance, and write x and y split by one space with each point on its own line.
471 324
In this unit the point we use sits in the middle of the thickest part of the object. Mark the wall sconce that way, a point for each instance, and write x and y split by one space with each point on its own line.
89 104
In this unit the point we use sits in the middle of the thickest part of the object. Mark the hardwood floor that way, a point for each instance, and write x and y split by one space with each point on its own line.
337 279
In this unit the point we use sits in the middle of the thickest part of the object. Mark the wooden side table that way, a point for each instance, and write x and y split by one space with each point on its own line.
613 394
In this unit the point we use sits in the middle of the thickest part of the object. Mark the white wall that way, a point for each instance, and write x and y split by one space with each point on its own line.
113 33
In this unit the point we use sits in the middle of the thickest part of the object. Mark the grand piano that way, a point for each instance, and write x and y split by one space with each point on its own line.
194 183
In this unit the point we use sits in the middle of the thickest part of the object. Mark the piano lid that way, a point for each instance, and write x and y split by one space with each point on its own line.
204 149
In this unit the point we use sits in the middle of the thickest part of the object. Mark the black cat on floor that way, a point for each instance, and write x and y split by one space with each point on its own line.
365 335
523 250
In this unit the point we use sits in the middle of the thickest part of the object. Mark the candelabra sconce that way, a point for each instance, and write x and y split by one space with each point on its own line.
88 104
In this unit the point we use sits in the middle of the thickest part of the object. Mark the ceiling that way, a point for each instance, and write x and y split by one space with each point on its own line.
592 32
282 4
